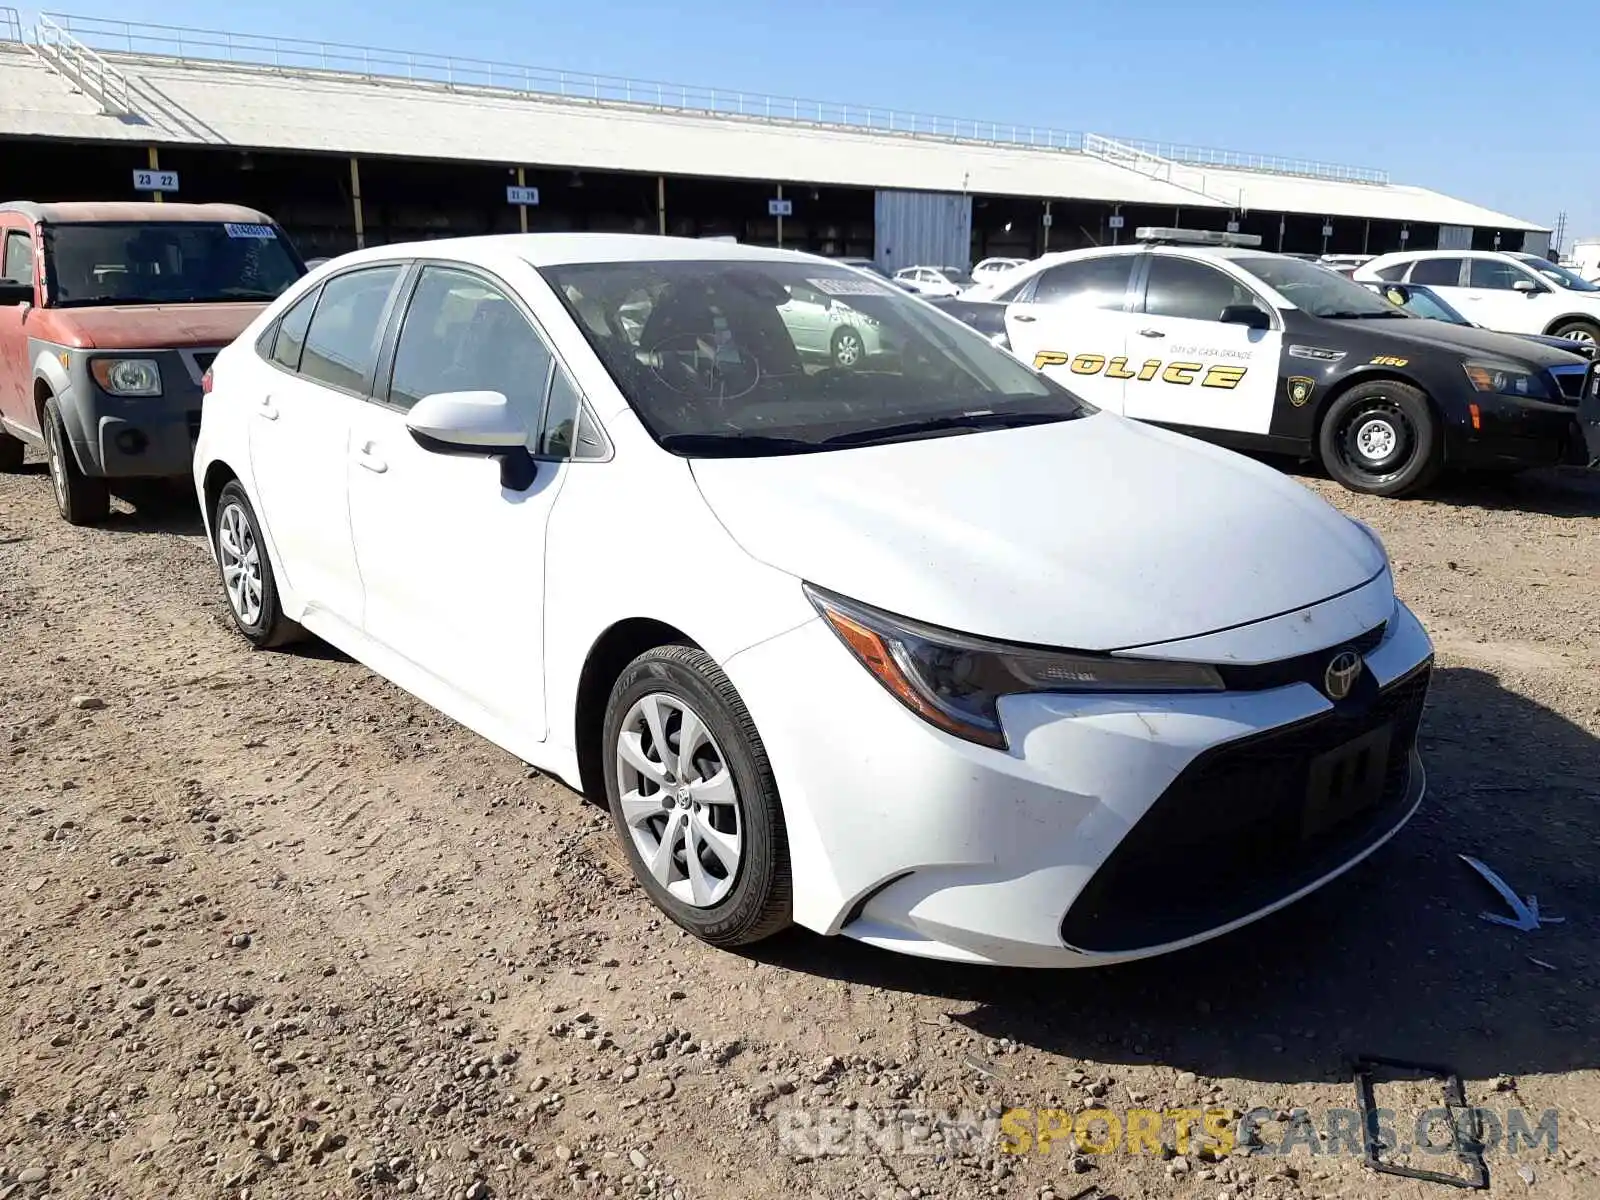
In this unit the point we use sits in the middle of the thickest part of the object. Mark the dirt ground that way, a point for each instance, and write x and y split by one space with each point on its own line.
272 928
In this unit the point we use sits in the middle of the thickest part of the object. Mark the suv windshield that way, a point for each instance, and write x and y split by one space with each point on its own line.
1315 289
166 262
742 358
1558 275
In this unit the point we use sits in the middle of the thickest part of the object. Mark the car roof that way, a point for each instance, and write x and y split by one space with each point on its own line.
74 212
567 249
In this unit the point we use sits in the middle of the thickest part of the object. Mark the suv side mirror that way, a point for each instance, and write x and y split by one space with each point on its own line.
1527 287
12 292
1249 315
478 425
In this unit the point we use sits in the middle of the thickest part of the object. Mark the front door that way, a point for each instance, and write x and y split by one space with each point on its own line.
1491 298
16 373
324 354
452 561
1070 323
1189 367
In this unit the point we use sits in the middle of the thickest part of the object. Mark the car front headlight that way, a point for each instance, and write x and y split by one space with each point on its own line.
1506 380
955 682
127 376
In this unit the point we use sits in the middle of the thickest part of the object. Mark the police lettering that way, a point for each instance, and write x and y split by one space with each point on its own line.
1182 374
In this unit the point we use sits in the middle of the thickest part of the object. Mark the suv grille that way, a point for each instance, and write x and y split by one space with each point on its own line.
1253 821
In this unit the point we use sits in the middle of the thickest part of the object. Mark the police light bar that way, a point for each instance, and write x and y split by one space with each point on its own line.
1195 237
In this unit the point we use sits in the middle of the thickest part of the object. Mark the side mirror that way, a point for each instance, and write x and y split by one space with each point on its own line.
1249 315
1397 293
12 292
478 425
1527 287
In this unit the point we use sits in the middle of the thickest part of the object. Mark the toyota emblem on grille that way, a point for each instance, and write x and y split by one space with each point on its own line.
1341 674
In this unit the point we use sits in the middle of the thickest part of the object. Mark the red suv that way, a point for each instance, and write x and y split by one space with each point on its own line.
110 315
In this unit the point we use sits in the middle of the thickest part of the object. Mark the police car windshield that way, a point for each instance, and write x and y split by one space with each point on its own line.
1422 303
738 358
1315 289
1559 275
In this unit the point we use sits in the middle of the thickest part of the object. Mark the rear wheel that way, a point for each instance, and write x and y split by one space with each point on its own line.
1381 438
10 452
848 348
81 499
693 799
1578 330
246 572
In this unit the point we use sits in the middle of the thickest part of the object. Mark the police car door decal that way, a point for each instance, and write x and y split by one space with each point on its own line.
1081 347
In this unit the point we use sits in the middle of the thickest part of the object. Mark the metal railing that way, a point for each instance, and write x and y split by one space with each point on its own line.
1168 170
1204 156
10 25
187 45
95 77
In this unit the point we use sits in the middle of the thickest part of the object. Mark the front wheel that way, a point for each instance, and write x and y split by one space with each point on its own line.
693 799
246 572
1381 438
82 499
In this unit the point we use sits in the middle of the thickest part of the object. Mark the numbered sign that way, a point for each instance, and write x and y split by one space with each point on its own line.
1233 227
1327 231
155 181
1049 220
1114 222
780 208
522 195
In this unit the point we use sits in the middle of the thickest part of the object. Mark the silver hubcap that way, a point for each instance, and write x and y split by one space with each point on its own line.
241 564
58 468
848 350
678 800
1376 439
1578 335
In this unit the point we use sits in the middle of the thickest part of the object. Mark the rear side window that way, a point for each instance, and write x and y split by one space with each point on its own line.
1440 272
1181 287
1392 273
291 335
342 343
1091 282
18 262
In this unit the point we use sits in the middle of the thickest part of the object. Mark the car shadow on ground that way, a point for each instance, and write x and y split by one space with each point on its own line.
1550 491
1392 959
158 506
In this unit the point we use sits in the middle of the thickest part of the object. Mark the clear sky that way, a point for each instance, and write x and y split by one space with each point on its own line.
1490 101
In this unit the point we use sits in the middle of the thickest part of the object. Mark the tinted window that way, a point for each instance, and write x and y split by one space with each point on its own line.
463 334
1494 273
18 266
1440 272
1180 287
342 344
167 262
1092 282
292 331
1392 273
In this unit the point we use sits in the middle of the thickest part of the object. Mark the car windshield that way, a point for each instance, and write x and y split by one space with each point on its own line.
1420 303
1558 275
738 358
1314 289
166 262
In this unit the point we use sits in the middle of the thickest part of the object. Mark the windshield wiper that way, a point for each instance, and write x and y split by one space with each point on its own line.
954 423
735 445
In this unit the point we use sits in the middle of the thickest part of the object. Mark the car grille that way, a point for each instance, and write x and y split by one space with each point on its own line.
1303 668
1252 821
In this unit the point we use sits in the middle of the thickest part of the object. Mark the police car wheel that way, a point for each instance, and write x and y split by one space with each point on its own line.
1381 438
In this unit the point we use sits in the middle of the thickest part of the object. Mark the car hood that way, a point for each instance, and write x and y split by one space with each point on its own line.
1093 534
153 326
1472 340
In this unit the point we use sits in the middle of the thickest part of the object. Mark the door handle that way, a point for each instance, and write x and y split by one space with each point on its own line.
266 410
1024 318
366 458
1151 333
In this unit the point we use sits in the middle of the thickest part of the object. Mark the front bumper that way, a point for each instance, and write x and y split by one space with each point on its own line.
125 437
906 838
1514 434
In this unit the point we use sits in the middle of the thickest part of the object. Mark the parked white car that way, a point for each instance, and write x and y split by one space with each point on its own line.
996 268
832 644
933 281
825 325
1514 293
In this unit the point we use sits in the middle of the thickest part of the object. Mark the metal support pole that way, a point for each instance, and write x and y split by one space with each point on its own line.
1366 235
355 202
661 205
522 209
780 219
153 160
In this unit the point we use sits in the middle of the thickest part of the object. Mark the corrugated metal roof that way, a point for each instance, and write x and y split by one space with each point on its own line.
251 107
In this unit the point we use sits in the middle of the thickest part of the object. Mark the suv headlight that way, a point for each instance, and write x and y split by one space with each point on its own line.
127 376
1506 380
955 682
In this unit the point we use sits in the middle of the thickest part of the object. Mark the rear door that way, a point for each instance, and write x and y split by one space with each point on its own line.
1070 322
1188 367
325 352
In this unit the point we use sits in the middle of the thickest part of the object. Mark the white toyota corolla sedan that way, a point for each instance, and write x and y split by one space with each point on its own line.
918 649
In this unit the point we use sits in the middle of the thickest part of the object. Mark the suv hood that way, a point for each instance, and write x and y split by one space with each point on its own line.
1092 534
1471 340
153 326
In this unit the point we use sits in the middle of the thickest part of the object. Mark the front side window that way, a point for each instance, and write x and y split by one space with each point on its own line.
703 354
463 334
1495 274
1181 287
1437 272
1089 282
18 262
342 343
166 262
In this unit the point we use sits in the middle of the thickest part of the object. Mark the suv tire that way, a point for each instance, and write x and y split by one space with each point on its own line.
82 499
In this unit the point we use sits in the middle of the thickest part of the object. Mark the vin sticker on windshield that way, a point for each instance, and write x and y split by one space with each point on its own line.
251 231
849 287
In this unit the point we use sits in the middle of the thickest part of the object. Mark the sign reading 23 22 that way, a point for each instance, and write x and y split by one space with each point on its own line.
1182 373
